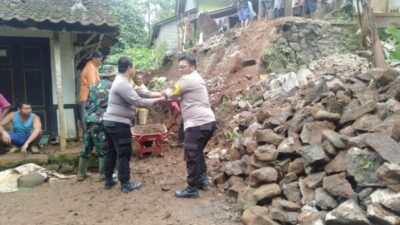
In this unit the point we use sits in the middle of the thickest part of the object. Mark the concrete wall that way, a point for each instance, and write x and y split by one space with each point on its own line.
169 34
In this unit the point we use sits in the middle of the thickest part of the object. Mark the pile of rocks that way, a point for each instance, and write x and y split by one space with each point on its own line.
322 154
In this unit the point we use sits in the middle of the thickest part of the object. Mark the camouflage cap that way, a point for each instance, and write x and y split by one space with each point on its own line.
107 71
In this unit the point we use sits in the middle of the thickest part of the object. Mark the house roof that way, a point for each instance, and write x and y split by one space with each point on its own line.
70 15
223 12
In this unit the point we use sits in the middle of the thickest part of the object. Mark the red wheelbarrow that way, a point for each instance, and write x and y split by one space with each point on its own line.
150 137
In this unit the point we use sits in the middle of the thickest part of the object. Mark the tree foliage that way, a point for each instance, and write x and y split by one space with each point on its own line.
132 23
136 18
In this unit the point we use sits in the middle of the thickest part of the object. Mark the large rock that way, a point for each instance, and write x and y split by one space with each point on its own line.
329 148
338 164
233 168
262 176
314 180
292 191
383 76
283 216
246 198
313 154
337 185
285 204
362 165
251 147
366 123
257 215
268 136
390 175
290 144
385 146
387 198
325 115
296 166
312 218
306 192
378 215
312 132
324 200
348 213
300 118
390 127
334 138
267 191
31 180
355 113
266 153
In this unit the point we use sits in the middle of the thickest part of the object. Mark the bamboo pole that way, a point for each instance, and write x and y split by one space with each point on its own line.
370 36
60 98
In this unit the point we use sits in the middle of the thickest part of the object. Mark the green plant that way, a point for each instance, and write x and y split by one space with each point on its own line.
144 58
280 59
230 134
394 37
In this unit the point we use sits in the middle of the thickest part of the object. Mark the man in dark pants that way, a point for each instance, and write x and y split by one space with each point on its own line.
199 125
117 122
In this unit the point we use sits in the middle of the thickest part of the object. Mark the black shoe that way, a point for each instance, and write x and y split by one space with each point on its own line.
109 184
188 192
128 187
205 185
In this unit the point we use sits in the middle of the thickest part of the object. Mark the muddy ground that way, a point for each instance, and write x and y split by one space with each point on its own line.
71 202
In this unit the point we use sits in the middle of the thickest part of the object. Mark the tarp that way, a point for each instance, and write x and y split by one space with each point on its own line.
9 178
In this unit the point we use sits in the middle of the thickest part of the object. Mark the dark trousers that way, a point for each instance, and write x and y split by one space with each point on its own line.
196 139
181 133
119 151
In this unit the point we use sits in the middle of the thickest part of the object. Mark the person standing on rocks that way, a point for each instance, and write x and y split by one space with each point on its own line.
267 5
94 135
244 12
279 8
199 124
117 122
310 7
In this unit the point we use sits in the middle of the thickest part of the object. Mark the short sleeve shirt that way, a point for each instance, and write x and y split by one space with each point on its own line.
3 104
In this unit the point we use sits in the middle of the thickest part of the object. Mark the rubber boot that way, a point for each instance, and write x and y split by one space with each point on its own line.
102 177
82 168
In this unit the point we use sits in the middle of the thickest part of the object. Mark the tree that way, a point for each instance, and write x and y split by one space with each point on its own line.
131 17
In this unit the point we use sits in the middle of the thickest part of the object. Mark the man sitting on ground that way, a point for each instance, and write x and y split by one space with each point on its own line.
27 129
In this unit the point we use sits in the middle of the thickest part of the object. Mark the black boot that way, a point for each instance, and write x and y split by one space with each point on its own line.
188 192
109 183
128 187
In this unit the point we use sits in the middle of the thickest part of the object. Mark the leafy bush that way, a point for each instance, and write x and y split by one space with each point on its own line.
144 58
394 38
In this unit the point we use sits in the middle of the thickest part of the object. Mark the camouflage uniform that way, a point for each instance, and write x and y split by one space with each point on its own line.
96 106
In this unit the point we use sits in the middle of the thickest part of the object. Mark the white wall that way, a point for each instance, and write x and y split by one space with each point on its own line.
169 34
190 4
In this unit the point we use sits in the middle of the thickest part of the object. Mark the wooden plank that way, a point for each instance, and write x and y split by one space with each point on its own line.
60 98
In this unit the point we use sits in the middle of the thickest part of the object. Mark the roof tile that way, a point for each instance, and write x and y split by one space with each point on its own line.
98 11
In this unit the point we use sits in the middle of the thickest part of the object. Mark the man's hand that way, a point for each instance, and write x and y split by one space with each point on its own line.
24 148
6 137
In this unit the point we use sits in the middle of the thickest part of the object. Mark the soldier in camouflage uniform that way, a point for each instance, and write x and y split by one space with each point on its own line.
94 135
